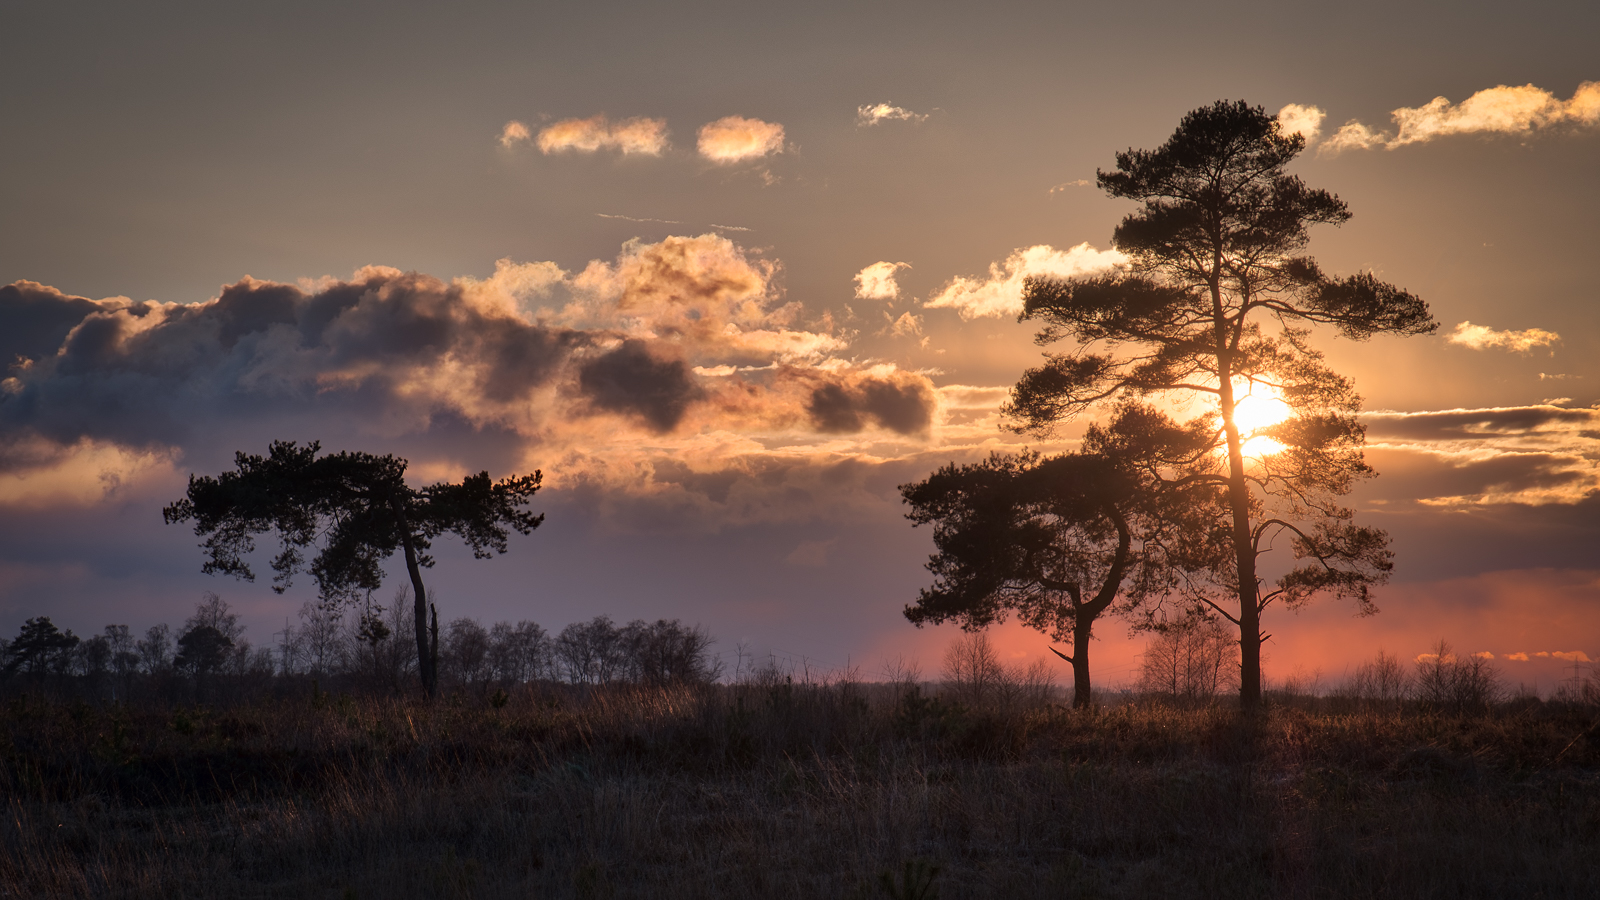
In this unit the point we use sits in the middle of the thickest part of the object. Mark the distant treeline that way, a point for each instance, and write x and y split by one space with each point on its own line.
372 648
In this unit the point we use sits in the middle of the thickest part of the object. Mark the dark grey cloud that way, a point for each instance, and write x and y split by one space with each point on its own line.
1474 422
381 346
1414 476
902 404
37 319
633 381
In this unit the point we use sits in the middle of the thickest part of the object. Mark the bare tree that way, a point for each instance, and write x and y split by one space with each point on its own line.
466 651
1383 681
973 673
518 653
155 650
588 651
1192 659
320 638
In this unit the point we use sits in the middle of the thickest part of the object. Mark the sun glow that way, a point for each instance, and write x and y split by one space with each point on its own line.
1258 407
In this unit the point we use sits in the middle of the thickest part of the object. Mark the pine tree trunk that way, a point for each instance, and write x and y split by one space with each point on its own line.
1082 696
426 655
1243 546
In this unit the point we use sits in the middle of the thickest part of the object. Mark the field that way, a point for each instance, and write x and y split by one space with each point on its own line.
778 789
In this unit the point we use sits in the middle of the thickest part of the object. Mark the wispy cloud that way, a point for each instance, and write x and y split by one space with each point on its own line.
638 219
1000 294
875 113
734 139
639 135
1482 337
877 281
1076 183
1464 458
513 132
1504 110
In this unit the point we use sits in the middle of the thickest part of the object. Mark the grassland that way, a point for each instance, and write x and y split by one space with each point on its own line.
793 790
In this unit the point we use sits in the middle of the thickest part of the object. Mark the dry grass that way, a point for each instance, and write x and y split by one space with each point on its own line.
784 790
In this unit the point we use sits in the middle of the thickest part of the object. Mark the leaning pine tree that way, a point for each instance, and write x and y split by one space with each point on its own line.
360 509
1216 303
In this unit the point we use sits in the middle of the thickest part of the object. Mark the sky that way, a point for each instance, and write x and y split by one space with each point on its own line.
728 274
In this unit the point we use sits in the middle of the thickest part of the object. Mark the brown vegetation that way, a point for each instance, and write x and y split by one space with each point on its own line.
773 788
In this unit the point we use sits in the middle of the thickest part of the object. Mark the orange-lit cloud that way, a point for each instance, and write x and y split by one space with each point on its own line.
1530 455
1501 110
905 325
1000 294
734 139
513 132
1481 337
639 135
1305 121
877 281
682 349
883 112
35 473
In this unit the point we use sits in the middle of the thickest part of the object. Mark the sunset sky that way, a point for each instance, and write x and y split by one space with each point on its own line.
730 273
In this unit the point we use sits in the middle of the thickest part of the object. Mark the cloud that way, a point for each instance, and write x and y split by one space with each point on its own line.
813 554
1570 655
1464 458
1519 657
883 112
631 379
1519 111
1352 136
899 401
1495 421
1480 337
734 139
639 219
876 282
1058 188
513 132
1305 121
1001 293
38 474
674 348
639 135
907 325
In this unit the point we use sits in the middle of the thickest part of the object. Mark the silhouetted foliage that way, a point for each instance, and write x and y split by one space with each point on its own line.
1052 539
359 510
1215 252
40 648
202 650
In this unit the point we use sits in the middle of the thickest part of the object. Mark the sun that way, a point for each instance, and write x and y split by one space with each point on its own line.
1259 407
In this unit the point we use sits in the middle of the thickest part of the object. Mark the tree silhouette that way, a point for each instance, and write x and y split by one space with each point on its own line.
202 650
1052 539
360 510
39 647
1215 254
